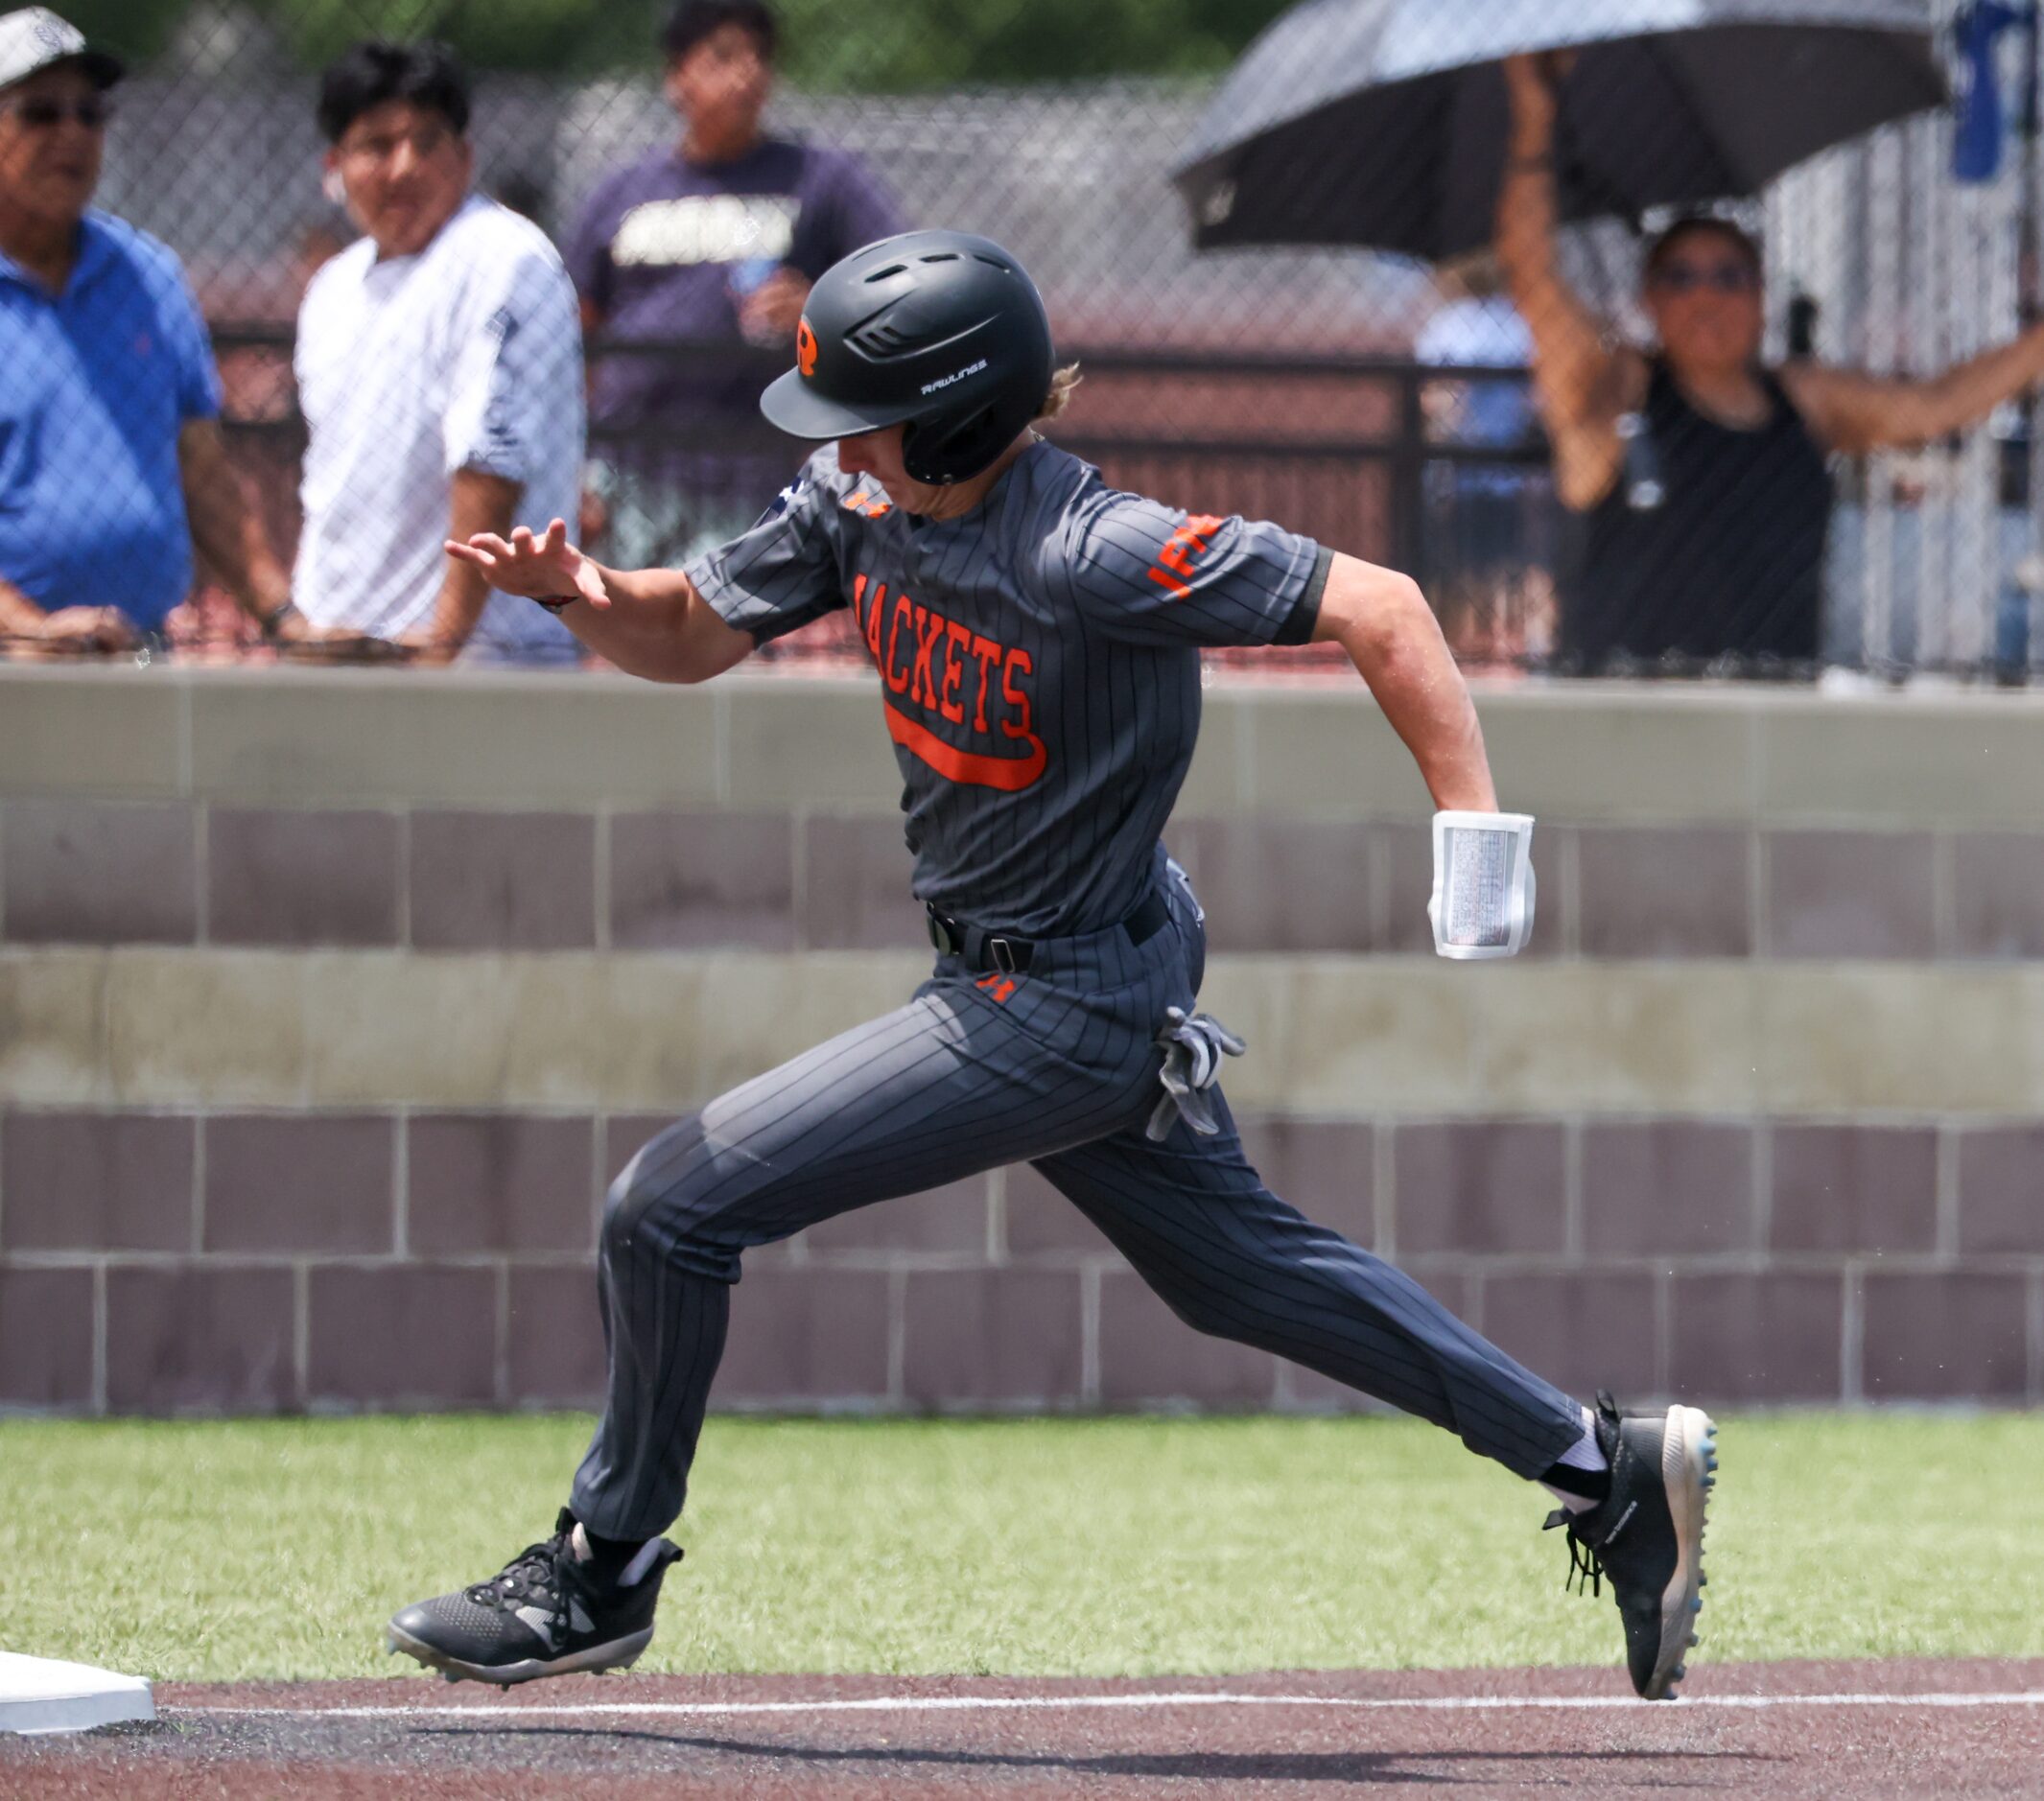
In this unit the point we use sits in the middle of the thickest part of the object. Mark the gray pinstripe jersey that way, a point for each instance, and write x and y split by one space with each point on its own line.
1039 661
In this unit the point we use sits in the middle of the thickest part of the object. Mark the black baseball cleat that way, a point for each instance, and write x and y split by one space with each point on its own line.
549 1613
1646 1538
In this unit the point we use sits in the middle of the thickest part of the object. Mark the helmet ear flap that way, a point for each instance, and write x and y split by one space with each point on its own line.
943 450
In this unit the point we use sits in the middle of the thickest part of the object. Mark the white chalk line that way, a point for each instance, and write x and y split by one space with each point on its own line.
1054 1703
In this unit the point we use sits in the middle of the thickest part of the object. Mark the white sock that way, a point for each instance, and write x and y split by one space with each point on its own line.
1584 1454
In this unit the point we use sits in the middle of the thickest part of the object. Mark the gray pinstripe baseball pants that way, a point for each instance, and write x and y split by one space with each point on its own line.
1059 1070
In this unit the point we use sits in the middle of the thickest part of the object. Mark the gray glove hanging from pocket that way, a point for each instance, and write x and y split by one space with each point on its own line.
1193 1045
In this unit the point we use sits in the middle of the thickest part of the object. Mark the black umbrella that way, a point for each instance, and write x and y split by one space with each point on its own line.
1383 121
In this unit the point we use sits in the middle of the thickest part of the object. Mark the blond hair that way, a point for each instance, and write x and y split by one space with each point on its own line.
1063 385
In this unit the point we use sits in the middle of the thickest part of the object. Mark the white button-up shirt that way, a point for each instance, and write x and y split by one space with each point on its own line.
465 356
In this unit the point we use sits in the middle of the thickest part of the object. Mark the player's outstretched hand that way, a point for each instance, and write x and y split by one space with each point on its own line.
540 568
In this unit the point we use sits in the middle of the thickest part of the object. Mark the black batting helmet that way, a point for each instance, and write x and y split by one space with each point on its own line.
939 331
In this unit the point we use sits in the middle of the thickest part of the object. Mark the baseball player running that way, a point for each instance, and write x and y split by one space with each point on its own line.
1037 639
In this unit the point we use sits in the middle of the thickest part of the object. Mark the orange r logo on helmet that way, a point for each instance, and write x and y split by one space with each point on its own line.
805 348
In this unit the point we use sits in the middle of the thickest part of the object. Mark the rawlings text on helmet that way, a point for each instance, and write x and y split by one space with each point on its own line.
957 375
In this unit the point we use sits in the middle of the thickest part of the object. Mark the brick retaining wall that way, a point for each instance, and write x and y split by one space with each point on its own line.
328 1005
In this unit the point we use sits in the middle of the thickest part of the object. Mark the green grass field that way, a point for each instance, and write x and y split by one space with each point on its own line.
1087 1547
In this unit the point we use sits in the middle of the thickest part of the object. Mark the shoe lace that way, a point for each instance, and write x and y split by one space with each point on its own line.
1582 1565
533 1575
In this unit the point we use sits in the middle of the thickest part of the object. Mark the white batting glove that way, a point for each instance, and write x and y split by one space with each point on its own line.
1482 903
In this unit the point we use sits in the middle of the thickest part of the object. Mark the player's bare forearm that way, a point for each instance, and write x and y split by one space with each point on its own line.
1382 620
650 622
657 626
226 528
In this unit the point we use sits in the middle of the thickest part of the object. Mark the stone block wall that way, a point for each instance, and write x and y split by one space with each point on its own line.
331 1002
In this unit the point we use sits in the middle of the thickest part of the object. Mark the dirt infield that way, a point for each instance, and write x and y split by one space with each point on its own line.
1865 1729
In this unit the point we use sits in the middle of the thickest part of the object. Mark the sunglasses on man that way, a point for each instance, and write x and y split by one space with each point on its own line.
1719 277
41 113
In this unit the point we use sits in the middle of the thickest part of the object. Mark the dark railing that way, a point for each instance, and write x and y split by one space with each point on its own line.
1343 439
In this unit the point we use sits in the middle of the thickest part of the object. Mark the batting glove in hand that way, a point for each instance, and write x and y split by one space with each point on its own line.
1482 902
1193 1045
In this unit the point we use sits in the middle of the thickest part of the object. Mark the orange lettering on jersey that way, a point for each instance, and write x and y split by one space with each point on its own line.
1000 987
1018 658
904 609
922 689
935 683
871 614
954 635
1180 548
986 653
1008 774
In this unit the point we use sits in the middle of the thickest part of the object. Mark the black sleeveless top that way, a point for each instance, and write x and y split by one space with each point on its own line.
1730 563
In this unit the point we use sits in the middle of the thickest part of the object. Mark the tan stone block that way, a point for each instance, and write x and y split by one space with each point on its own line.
386 1028
1842 1037
1218 781
52 1026
370 737
225 1027
1252 995
657 1037
1622 1038
816 742
554 1031
758 1011
1591 752
1327 752
652 1033
559 1042
1339 1037
1950 760
89 731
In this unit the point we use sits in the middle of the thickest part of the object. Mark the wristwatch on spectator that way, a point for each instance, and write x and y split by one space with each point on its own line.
277 615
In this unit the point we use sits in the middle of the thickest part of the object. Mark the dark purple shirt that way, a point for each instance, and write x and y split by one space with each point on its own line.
664 248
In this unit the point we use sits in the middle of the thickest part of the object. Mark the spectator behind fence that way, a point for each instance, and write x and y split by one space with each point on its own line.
1697 476
111 461
1486 545
439 369
717 238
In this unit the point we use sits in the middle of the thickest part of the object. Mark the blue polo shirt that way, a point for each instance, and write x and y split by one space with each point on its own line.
94 384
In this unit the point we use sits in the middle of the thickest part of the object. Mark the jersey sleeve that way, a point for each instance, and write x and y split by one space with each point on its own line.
1141 571
785 571
520 354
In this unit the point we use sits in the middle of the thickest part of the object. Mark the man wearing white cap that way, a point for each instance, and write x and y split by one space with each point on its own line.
112 463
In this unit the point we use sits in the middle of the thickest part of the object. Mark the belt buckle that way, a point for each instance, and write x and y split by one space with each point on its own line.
1003 955
940 933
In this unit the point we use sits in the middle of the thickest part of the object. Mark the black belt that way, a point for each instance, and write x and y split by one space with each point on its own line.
983 949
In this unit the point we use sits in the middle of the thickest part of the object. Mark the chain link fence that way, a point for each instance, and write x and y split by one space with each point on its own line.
1380 402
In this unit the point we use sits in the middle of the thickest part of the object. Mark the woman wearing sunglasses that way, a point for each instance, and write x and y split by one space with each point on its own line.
1695 477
